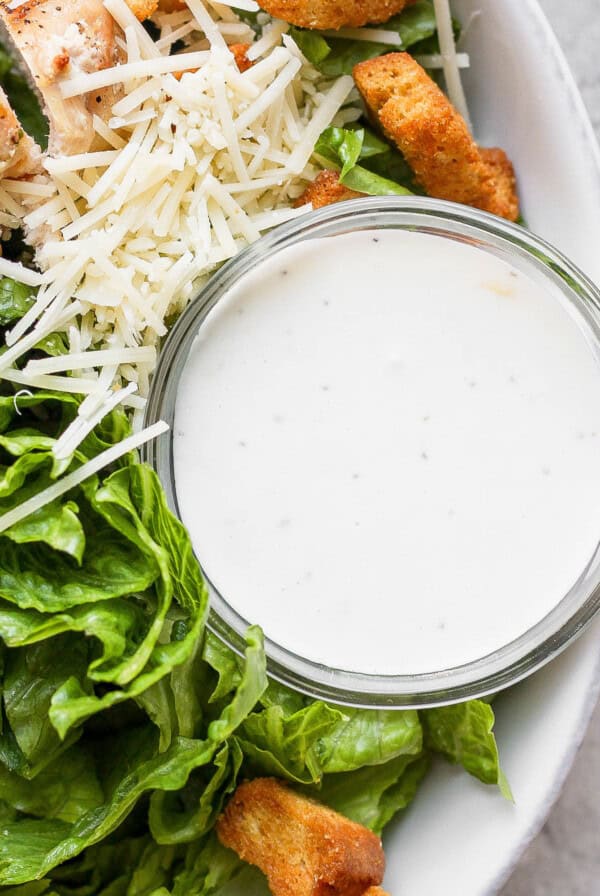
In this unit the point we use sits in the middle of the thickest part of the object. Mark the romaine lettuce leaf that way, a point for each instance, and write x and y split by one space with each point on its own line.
57 525
47 412
73 703
65 789
129 552
370 737
109 868
35 576
335 56
209 868
206 792
15 298
23 100
35 888
463 733
313 45
31 676
373 795
343 148
414 24
226 664
31 848
289 746
364 181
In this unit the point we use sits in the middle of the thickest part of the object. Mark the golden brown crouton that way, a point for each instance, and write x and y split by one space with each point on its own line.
433 137
171 5
239 54
142 9
303 848
505 182
375 891
335 14
325 190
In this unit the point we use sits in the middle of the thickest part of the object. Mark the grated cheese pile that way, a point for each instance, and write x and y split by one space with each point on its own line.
196 161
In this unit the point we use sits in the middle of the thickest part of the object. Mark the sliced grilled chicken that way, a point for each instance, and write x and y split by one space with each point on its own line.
19 154
57 39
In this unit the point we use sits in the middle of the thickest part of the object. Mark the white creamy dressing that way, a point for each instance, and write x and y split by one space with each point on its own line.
386 450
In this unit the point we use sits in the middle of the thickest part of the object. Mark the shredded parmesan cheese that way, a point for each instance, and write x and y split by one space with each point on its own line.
377 35
194 160
436 60
75 385
19 272
71 480
82 425
82 360
450 65
129 71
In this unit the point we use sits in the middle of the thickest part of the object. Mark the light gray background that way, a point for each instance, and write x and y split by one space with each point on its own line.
565 858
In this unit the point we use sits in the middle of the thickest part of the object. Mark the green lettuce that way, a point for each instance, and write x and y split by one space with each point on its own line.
463 733
108 562
32 848
125 725
23 99
211 870
289 746
373 795
15 298
344 148
335 56
371 737
31 677
65 789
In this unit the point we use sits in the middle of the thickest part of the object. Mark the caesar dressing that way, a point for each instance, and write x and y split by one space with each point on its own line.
386 450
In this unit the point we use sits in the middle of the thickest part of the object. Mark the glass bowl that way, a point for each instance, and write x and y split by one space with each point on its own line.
524 251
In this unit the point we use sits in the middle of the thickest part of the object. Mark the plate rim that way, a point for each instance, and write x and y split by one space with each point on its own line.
533 10
544 810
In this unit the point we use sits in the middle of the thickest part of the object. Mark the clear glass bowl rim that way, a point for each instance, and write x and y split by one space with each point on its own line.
484 676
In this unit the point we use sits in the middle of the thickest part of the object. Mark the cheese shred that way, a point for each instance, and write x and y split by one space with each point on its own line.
450 62
194 161
71 480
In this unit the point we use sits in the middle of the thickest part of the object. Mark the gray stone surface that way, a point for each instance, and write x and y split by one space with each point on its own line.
577 24
565 859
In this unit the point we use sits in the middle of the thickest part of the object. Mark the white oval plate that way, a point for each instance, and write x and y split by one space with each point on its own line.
460 838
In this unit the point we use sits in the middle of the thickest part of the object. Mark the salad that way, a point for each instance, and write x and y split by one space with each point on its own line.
151 154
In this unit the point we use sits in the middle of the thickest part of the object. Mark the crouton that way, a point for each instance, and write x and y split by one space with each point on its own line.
375 891
142 9
303 848
433 137
323 14
325 190
239 54
171 5
505 182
